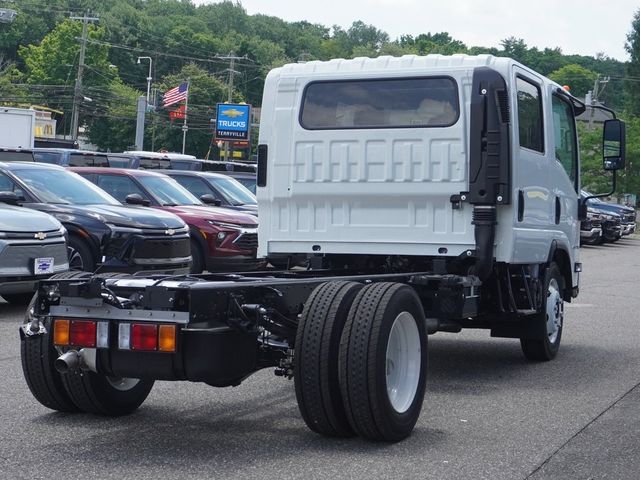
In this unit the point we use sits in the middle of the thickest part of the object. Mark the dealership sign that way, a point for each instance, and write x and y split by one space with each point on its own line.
232 121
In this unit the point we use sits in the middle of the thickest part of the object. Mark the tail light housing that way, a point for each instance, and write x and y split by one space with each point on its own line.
146 337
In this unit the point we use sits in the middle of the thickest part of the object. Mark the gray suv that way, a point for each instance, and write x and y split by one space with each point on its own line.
32 248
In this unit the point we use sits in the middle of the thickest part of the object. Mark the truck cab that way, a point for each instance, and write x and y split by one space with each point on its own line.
398 156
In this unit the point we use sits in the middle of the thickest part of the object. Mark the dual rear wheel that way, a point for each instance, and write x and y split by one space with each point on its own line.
81 391
361 360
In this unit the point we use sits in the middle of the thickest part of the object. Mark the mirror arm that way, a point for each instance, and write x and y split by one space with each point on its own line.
606 109
602 195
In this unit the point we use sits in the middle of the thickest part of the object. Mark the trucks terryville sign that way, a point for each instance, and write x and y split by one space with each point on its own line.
232 121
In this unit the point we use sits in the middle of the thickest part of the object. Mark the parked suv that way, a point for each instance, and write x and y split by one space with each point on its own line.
32 248
103 234
221 239
627 214
591 228
228 191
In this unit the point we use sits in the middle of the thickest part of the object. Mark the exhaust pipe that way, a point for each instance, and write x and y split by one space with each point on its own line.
485 220
68 362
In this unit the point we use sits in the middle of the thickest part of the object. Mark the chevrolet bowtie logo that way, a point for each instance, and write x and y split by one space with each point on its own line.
40 235
169 231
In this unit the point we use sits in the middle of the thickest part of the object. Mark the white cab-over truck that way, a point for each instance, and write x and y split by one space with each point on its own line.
428 193
17 127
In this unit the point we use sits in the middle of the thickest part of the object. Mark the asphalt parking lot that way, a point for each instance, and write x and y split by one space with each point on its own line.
488 413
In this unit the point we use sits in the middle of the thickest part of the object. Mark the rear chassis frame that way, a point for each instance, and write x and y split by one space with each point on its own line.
232 325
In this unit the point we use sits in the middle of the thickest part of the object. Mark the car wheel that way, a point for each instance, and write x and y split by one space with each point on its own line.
197 258
80 257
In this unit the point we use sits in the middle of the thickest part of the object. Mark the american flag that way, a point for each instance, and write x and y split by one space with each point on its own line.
176 94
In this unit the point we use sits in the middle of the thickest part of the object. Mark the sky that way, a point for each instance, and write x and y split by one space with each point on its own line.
576 26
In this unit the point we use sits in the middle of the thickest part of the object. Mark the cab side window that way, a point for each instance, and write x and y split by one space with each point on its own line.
530 129
564 133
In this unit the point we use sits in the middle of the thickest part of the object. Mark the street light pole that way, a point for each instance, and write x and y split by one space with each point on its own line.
149 78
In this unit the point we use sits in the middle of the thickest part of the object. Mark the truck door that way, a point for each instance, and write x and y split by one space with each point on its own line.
531 195
564 171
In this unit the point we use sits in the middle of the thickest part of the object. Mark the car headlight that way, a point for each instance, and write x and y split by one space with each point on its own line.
215 223
118 230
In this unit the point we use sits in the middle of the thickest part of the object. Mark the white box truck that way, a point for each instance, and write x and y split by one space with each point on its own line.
429 193
17 127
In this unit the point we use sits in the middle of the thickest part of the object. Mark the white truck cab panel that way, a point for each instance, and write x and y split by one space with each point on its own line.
372 179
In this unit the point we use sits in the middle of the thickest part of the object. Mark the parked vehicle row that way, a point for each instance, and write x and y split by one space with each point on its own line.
221 239
605 222
161 227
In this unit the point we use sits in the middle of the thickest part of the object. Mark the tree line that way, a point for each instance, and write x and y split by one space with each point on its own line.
39 54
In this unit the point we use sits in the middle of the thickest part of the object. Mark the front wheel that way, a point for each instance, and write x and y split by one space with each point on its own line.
383 362
550 320
80 257
197 258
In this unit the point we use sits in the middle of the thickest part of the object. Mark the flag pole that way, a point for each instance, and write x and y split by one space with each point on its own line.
184 125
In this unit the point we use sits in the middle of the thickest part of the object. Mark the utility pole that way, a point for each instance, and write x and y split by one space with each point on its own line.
75 114
232 59
594 96
185 128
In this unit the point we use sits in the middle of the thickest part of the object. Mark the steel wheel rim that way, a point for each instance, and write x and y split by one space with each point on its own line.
75 259
402 362
123 384
554 311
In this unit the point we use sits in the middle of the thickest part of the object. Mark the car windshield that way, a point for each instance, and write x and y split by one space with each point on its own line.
63 186
248 183
168 191
233 191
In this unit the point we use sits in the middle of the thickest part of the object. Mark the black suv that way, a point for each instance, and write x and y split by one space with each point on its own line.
103 234
627 214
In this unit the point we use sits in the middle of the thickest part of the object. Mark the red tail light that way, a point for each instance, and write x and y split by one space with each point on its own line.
82 333
144 337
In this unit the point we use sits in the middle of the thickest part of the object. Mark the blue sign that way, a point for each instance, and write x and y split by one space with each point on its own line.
233 121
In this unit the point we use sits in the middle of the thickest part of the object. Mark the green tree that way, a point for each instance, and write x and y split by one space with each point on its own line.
578 78
113 120
632 86
12 92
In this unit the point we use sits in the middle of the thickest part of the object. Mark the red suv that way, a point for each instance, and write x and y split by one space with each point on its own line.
221 239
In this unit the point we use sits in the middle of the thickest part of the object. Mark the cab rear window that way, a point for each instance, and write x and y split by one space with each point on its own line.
380 103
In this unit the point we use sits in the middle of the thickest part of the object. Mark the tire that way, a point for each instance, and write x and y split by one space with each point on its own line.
316 358
550 320
18 298
96 393
80 257
45 383
197 258
383 362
